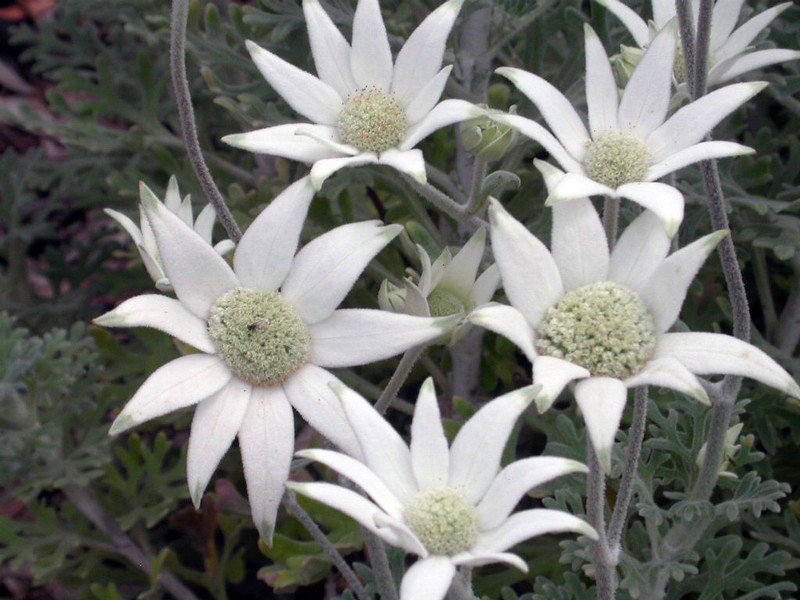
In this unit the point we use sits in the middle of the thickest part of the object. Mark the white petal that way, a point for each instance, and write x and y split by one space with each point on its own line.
383 449
469 559
639 250
309 392
371 56
485 286
601 88
428 578
557 111
602 400
459 275
329 137
691 123
178 384
515 480
478 446
709 353
283 140
155 270
666 290
309 96
266 441
204 225
508 322
267 248
430 454
553 374
527 524
664 200
693 154
327 267
198 274
536 132
574 186
172 200
723 20
411 162
734 67
422 103
401 534
214 426
530 275
578 243
421 56
323 169
664 10
670 373
162 313
632 21
358 336
445 113
129 226
740 39
331 51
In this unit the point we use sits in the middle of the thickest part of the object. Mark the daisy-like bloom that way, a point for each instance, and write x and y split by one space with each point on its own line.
448 286
630 142
265 330
363 108
729 55
581 313
451 506
146 242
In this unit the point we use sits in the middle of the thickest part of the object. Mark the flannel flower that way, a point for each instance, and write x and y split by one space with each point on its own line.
266 330
729 54
364 108
630 142
448 286
581 313
451 506
146 242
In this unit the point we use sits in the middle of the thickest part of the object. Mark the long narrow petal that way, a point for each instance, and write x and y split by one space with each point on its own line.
693 154
669 372
515 480
423 102
485 286
526 524
553 374
639 250
666 290
383 449
267 248
371 56
602 400
736 66
578 243
445 113
322 169
162 313
691 123
411 162
536 132
530 275
127 224
723 20
428 578
573 186
459 275
740 39
632 21
664 10
557 111
476 450
508 322
430 454
421 56
204 224
708 353
266 441
306 94
198 274
283 140
331 51
215 424
310 393
178 384
468 559
327 267
664 200
358 336
601 88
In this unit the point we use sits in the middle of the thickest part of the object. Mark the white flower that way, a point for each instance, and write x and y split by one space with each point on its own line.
630 142
364 108
448 286
581 313
146 242
262 350
729 53
451 506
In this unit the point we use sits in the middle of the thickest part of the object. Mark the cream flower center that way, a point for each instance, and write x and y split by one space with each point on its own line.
372 121
259 335
442 303
603 327
617 157
443 520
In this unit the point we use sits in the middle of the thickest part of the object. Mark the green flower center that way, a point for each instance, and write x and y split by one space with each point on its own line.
617 157
444 521
372 121
259 335
442 303
603 327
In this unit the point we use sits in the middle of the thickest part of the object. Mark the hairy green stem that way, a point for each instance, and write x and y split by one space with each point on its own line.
461 587
478 174
384 580
444 203
686 32
611 220
398 377
702 43
604 560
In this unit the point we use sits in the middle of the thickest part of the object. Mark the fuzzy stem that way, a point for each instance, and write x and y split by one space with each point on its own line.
611 220
686 31
702 42
478 173
444 203
604 561
384 580
183 97
398 377
461 587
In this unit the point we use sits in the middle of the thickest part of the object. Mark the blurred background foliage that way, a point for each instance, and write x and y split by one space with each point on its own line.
86 112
